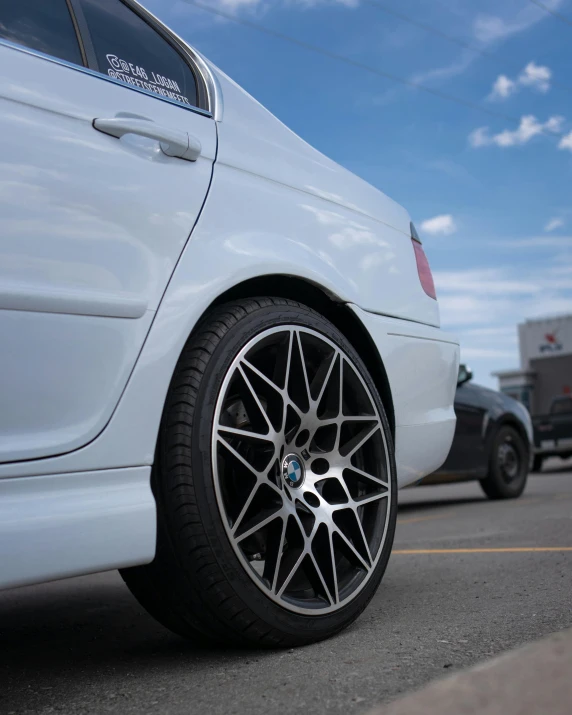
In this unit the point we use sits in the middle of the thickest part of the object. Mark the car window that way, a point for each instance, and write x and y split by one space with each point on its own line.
40 25
130 50
562 406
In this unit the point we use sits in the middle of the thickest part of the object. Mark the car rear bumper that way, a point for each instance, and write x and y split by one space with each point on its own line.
422 365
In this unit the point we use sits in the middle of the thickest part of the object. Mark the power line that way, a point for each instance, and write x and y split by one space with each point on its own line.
544 7
428 28
450 38
360 65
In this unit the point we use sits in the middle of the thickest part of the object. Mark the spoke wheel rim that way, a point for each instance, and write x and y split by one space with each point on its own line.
509 461
301 469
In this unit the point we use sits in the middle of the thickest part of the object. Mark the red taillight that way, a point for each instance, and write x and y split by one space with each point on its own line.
424 269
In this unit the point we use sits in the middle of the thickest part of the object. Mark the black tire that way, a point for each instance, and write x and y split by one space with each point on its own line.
537 463
196 586
498 484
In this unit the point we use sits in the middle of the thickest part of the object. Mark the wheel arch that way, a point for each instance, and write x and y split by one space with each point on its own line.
328 305
509 420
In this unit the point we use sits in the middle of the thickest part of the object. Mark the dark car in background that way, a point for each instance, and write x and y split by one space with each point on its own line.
553 432
493 441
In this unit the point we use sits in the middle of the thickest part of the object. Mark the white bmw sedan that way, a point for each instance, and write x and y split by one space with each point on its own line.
220 351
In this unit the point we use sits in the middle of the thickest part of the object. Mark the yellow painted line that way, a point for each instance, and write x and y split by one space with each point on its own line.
424 518
507 550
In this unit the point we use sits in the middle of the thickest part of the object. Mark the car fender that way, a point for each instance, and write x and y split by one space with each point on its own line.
510 419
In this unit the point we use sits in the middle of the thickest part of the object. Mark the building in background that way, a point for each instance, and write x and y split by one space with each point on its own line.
545 364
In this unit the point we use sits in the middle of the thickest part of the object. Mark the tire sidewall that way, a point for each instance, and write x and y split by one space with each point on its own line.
251 595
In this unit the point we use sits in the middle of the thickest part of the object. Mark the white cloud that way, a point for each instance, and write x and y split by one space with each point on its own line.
448 167
484 299
492 28
479 137
472 281
503 87
484 305
439 225
460 311
239 4
487 30
234 7
312 3
535 76
236 4
469 353
455 68
566 142
553 224
528 128
534 243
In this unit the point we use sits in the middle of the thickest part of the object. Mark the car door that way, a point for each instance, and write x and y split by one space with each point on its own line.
467 453
106 157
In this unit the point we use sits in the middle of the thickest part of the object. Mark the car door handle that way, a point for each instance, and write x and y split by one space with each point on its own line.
173 142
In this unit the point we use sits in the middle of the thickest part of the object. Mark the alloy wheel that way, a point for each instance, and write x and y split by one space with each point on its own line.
301 469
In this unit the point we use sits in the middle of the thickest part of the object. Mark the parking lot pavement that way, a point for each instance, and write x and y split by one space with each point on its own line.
529 680
469 579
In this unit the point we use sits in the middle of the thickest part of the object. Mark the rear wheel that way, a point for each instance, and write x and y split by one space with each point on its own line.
274 481
508 465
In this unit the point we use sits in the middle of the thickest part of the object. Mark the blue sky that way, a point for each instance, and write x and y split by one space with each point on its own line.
490 195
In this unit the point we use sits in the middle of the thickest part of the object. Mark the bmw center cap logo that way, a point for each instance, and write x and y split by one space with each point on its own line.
293 471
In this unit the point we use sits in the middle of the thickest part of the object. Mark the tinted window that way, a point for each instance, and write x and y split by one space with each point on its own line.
43 25
562 406
129 49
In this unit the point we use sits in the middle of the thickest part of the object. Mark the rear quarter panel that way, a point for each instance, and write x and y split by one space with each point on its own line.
283 191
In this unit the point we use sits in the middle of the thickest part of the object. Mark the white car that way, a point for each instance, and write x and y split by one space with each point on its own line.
220 351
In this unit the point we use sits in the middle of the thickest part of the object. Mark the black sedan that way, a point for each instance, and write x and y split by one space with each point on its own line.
493 441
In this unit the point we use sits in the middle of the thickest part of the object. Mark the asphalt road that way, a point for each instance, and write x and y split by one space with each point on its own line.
85 646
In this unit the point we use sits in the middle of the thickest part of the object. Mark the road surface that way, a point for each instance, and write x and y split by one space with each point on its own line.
85 646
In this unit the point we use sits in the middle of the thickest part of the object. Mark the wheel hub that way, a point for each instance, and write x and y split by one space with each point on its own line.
293 471
508 460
